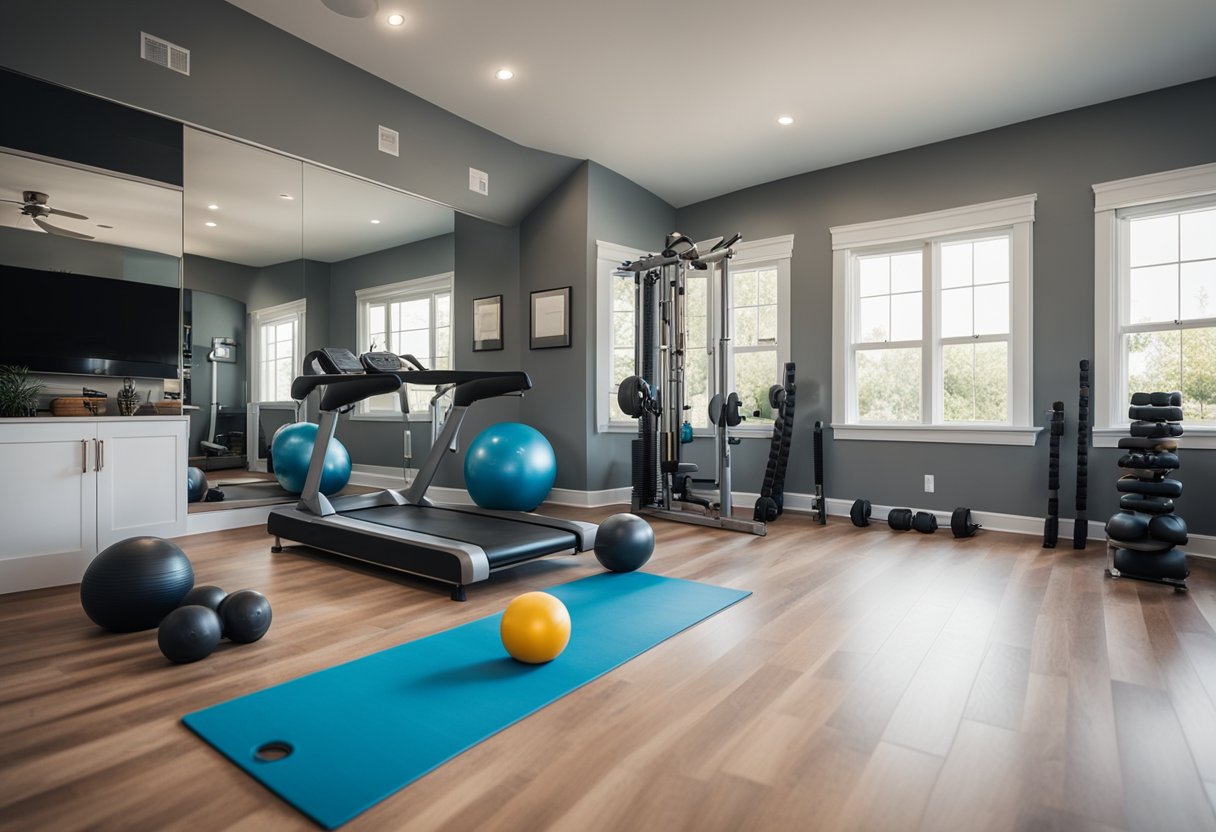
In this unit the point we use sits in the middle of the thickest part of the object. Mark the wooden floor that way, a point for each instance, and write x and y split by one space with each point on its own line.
873 681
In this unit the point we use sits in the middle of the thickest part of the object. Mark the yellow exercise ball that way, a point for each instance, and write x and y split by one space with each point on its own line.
535 628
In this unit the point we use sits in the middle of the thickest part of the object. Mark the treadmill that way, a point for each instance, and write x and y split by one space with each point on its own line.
404 530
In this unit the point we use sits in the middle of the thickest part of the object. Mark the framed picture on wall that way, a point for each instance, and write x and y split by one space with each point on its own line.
550 318
487 323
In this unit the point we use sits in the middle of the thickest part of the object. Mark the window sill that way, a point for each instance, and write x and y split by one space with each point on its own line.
1192 439
953 434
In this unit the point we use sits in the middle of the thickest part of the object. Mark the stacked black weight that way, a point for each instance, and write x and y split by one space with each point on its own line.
1080 529
1143 537
1051 526
772 492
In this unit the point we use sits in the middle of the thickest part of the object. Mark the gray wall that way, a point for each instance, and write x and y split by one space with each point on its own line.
1058 157
251 80
373 442
552 254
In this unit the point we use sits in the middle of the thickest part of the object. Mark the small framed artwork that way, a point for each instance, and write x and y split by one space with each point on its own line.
550 318
487 323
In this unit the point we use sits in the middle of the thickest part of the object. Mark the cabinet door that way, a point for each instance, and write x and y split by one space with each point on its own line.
141 479
48 506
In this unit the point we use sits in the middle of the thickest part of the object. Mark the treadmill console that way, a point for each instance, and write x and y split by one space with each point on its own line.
337 360
380 362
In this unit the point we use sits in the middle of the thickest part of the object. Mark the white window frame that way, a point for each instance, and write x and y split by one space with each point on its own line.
1014 216
608 258
1116 202
259 318
773 251
403 290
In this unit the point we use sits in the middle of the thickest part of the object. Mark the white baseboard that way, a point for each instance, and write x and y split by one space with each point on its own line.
380 476
228 518
39 571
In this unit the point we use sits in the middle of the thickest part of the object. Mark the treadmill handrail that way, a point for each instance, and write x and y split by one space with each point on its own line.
345 389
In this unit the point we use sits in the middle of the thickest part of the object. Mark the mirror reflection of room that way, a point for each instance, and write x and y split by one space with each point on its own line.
243 307
91 265
282 258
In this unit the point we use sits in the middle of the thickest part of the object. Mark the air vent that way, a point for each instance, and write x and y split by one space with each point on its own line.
479 182
162 53
389 141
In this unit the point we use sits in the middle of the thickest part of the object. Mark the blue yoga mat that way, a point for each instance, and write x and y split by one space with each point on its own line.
365 729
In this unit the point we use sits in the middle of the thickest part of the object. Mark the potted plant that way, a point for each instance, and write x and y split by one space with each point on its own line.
18 392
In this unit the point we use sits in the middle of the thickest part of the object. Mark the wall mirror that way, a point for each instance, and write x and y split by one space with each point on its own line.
383 263
258 258
90 262
244 310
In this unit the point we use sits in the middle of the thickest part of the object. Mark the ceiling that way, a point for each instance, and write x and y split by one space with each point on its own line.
328 217
141 215
682 96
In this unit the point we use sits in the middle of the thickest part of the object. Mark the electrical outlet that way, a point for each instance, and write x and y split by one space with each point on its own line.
928 483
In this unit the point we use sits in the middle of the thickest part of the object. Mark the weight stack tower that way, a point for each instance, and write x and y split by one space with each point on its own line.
1145 535
1051 526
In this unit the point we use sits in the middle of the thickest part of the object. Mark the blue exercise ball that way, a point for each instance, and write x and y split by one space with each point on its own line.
134 583
196 485
291 450
509 467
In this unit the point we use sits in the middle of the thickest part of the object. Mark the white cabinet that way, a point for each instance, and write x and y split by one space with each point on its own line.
71 487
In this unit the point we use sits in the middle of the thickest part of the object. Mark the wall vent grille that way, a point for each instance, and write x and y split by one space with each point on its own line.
162 53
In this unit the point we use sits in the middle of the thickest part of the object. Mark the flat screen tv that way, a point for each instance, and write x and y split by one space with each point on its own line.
54 322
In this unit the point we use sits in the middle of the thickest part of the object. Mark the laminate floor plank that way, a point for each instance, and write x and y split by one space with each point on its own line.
872 681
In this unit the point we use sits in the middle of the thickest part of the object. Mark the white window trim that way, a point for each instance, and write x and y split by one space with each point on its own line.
1015 213
261 317
420 286
1110 409
609 256
748 255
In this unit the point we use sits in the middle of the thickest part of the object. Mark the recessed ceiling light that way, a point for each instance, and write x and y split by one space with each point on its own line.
213 207
375 222
504 75
396 19
785 121
286 196
209 224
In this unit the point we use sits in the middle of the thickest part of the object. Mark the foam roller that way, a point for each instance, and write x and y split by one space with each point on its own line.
960 523
1152 461
925 522
900 519
1155 414
1143 443
1162 430
1165 488
1146 505
1169 566
1127 526
1169 528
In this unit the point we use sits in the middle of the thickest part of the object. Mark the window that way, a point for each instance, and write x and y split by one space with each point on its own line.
277 350
760 324
931 320
413 317
1155 297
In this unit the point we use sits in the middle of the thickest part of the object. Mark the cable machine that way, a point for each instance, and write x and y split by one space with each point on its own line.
655 394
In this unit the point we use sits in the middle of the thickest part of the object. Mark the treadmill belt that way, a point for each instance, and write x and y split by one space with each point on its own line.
504 541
